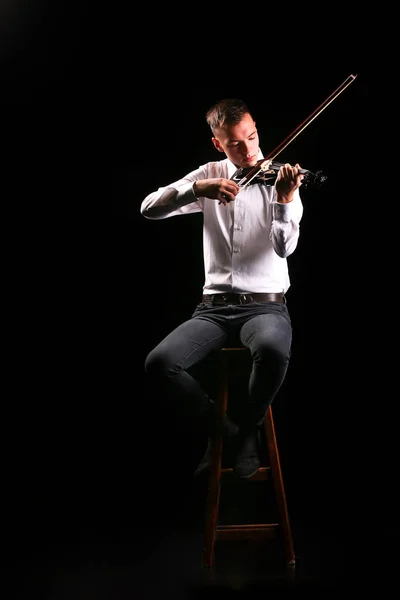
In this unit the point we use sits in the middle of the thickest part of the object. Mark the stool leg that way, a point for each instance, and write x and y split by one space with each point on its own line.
278 485
214 482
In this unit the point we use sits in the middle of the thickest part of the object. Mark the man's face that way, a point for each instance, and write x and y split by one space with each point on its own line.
239 142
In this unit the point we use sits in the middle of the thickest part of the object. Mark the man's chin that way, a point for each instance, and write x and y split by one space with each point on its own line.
248 164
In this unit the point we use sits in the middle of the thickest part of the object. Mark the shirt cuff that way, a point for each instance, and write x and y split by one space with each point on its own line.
282 212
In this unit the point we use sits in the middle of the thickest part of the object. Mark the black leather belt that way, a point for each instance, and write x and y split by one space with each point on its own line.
226 299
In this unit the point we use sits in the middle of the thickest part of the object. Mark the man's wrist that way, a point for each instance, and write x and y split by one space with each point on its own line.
284 199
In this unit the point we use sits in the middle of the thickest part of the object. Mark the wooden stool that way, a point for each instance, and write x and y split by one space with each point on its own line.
237 361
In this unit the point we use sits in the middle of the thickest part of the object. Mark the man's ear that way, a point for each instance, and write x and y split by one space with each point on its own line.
217 144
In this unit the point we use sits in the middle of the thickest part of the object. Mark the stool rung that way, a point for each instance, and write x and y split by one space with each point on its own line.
261 475
246 532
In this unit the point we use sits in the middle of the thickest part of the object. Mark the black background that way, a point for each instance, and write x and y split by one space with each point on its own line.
102 105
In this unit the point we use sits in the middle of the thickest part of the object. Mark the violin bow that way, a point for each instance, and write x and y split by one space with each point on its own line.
263 164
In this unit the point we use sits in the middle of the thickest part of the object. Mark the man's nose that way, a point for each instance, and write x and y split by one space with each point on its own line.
246 146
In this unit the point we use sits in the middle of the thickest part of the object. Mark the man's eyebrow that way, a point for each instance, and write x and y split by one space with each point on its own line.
250 134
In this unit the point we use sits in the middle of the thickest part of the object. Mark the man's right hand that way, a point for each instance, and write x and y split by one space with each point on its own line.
223 190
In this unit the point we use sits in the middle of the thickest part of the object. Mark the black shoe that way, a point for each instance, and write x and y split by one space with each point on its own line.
247 460
228 454
229 431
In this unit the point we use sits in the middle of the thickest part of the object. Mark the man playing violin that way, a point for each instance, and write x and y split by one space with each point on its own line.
248 233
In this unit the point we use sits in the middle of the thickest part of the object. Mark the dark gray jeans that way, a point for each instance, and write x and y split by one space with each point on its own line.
263 327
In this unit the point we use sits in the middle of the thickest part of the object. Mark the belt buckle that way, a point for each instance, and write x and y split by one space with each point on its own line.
218 300
245 298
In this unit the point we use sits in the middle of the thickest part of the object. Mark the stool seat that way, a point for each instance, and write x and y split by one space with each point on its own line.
233 362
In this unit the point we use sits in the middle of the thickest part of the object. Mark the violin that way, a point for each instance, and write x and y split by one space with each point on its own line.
266 170
265 173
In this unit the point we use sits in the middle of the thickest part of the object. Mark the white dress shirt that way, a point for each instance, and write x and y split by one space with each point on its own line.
245 243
